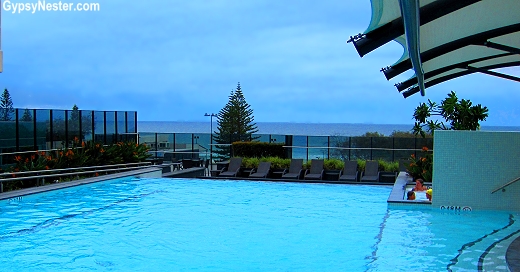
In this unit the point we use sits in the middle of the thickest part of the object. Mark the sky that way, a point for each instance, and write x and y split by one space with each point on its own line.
177 60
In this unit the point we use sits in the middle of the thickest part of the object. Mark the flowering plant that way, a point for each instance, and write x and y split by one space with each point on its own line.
422 166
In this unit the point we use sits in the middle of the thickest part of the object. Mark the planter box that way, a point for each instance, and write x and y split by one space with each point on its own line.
331 174
387 177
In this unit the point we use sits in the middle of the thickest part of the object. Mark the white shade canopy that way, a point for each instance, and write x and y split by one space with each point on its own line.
444 39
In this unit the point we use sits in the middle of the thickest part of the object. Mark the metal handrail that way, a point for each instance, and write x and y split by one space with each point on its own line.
100 167
505 185
72 173
354 148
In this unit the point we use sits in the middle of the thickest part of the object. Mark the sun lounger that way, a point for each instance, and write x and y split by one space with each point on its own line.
371 173
232 169
295 169
262 171
349 172
316 171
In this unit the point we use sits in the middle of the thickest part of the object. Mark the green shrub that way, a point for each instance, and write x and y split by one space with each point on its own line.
276 162
333 164
361 165
307 165
388 166
250 162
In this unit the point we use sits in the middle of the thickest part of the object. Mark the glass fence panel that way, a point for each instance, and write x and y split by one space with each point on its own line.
201 145
340 147
404 148
318 147
277 138
264 138
58 128
360 148
183 145
130 122
110 120
148 139
164 142
121 122
26 129
86 125
74 118
99 126
382 148
8 129
299 150
43 129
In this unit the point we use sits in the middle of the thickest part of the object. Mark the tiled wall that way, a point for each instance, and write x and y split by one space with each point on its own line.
469 165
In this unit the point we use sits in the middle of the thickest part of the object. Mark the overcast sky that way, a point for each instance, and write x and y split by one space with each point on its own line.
176 60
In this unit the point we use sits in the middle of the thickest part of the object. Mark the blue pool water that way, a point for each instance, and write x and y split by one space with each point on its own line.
176 225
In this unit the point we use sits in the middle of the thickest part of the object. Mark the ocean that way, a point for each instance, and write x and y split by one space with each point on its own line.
310 129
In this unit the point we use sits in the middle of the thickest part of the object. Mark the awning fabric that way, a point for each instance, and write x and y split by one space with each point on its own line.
448 39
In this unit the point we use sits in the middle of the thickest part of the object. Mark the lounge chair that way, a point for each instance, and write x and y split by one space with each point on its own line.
233 168
262 171
187 163
316 171
371 173
349 172
295 170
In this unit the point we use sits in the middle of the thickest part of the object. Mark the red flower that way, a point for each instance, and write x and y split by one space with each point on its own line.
425 148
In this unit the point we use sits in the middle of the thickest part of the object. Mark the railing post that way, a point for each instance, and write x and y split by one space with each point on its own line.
371 148
156 145
349 143
192 143
328 147
393 148
17 131
307 147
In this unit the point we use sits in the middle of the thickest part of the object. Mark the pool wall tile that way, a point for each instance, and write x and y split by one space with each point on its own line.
469 165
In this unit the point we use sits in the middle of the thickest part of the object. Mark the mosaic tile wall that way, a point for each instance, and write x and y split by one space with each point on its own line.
469 165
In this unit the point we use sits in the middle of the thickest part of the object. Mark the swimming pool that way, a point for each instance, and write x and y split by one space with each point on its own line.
221 225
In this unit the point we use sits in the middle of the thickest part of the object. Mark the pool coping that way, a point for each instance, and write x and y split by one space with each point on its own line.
315 181
399 189
62 185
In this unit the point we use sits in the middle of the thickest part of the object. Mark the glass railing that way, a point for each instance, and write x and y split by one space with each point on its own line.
199 145
44 129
